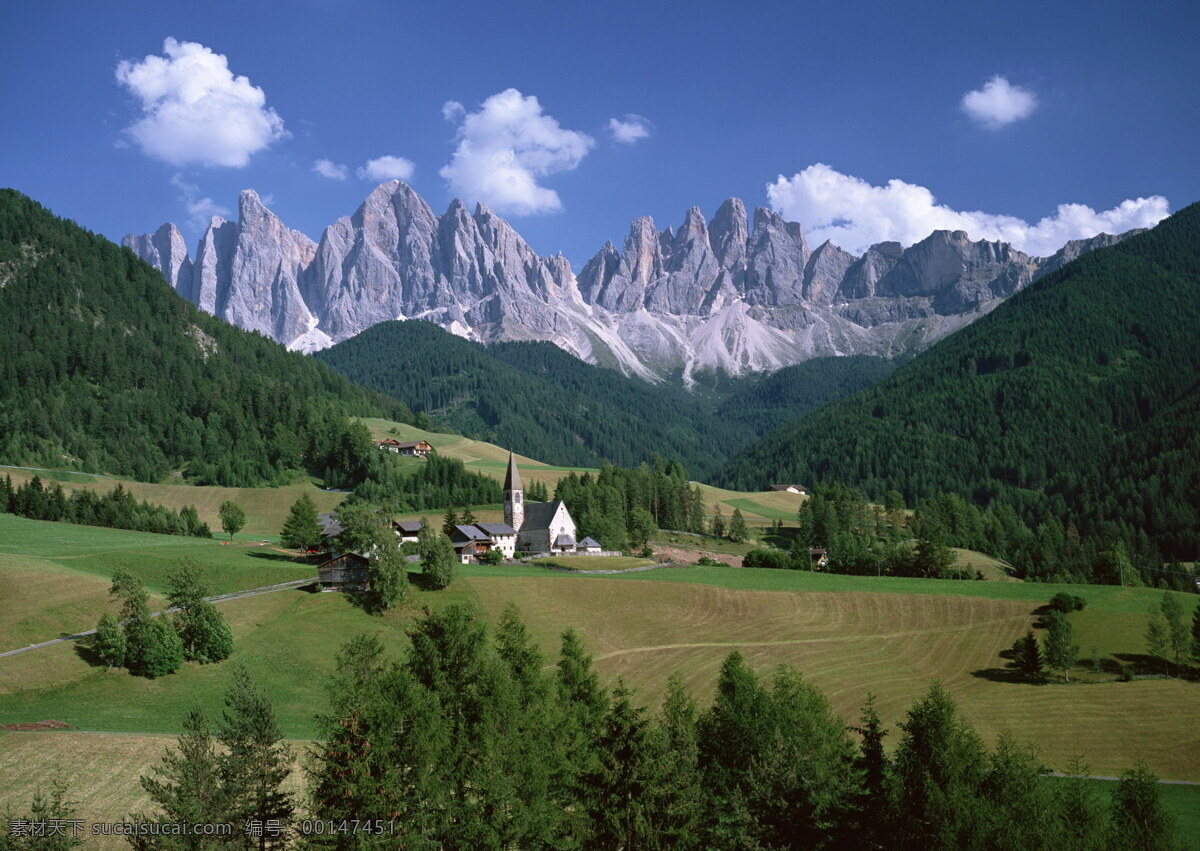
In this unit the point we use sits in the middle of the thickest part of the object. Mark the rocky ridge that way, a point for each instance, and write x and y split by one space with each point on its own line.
740 293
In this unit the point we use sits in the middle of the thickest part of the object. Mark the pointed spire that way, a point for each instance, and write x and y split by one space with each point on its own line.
512 481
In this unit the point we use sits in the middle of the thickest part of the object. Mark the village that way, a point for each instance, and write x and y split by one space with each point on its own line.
529 530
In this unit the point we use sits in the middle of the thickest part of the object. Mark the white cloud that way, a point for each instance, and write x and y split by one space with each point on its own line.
200 209
330 169
386 168
195 110
452 110
630 129
998 103
504 147
854 214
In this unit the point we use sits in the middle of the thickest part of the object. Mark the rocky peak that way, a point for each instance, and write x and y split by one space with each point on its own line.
729 233
167 250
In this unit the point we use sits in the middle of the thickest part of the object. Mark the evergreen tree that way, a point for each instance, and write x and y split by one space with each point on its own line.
1058 645
1027 654
437 557
186 788
939 767
233 517
622 790
1138 819
301 530
255 763
872 764
54 806
717 529
737 527
387 572
680 798
468 517
449 521
109 642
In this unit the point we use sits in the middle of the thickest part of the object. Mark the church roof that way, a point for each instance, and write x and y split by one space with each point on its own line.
539 514
512 480
564 541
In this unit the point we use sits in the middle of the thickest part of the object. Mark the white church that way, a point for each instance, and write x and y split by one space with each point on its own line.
541 527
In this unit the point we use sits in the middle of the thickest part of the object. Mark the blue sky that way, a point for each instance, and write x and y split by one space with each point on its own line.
1092 104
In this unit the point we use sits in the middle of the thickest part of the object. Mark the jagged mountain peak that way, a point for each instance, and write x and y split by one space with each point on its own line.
736 292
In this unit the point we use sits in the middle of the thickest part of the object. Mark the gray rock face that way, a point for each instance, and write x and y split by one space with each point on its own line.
712 295
166 250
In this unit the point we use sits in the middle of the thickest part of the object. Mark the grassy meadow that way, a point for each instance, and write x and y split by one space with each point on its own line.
266 508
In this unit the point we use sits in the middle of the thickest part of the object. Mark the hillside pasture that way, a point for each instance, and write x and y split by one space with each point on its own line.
98 552
266 508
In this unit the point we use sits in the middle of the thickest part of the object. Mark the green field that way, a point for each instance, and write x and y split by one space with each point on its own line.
850 635
593 562
97 552
266 508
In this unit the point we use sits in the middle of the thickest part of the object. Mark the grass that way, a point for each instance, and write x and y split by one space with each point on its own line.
266 508
890 636
32 761
98 552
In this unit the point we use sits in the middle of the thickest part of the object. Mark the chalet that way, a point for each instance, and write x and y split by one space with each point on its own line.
407 530
541 527
800 489
417 448
346 572
469 542
502 536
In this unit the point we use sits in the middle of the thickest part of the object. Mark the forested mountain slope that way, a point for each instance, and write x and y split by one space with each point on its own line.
541 401
1077 398
104 368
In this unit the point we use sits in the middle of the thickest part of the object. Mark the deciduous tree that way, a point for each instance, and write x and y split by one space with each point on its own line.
233 517
437 557
1058 645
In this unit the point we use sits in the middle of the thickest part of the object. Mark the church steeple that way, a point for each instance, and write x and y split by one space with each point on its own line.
514 495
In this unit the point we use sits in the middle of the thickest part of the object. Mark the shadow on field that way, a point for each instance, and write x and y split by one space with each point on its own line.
83 649
1005 675
269 556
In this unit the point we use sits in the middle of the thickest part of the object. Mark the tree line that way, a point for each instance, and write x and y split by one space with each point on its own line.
470 739
621 508
116 509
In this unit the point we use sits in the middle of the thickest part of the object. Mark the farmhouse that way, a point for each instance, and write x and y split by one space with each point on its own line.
407 530
417 448
502 536
800 489
469 542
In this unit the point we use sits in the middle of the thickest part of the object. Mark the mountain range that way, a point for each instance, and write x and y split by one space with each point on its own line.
736 294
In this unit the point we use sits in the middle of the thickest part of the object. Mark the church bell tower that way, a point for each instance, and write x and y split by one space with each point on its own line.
514 496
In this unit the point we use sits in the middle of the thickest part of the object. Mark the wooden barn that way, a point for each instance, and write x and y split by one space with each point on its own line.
346 572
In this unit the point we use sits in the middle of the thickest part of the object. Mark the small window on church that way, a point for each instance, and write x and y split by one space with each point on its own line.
516 497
